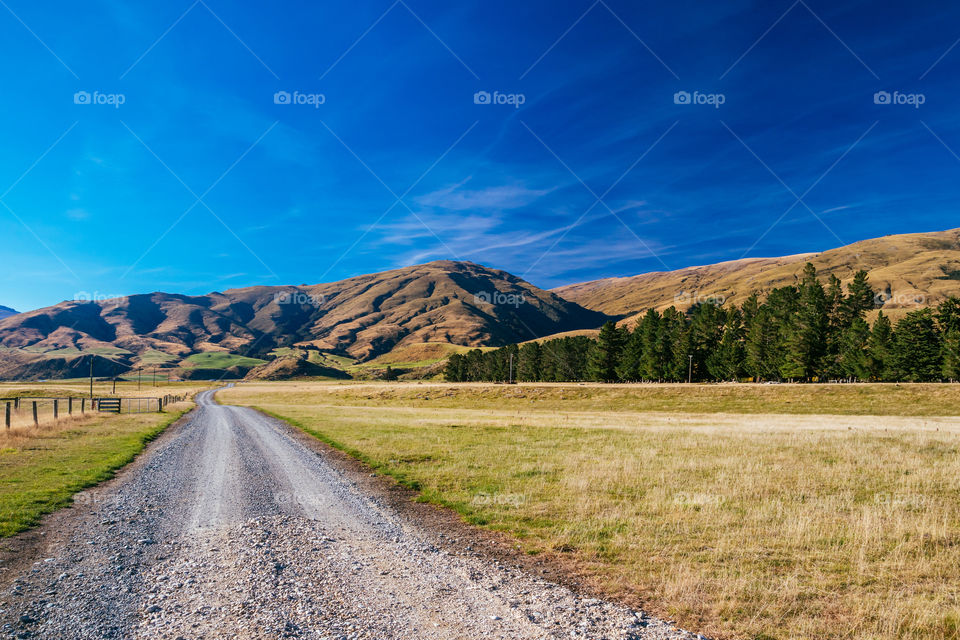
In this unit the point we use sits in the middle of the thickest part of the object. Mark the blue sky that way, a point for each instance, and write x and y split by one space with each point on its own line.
200 180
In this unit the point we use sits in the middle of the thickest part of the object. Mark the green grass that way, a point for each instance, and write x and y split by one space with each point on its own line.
66 351
735 523
156 357
219 360
285 351
330 360
40 472
108 351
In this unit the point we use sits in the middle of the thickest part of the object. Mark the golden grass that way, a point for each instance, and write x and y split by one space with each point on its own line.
713 504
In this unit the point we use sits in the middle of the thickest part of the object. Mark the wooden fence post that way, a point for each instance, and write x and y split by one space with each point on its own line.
70 406
35 420
16 404
7 413
83 405
56 409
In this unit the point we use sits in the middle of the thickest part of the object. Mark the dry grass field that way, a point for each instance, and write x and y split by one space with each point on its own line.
742 511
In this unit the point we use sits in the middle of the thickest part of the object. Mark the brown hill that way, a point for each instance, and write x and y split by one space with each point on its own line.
909 271
363 317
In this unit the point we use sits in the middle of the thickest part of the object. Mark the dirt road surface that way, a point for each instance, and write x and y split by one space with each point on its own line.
229 527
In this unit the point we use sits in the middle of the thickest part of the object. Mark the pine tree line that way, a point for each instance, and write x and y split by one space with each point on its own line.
805 332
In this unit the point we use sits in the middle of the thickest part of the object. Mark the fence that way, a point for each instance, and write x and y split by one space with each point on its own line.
135 405
36 408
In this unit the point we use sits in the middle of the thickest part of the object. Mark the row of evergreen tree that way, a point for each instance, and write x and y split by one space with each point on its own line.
804 332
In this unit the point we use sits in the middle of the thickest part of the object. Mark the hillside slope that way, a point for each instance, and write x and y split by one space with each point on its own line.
362 317
6 312
909 271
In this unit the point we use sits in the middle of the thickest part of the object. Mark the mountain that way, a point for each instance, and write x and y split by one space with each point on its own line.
909 271
6 312
359 319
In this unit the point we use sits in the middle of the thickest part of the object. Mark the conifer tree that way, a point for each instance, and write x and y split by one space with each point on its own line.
629 368
651 359
528 369
705 333
880 349
860 297
916 346
453 372
806 341
951 354
674 344
606 355
726 362
853 357
762 344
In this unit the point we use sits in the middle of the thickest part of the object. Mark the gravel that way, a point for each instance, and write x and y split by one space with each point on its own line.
231 528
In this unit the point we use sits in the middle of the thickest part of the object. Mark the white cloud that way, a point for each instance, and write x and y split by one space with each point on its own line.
456 198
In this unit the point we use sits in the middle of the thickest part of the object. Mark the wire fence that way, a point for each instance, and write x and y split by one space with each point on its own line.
34 409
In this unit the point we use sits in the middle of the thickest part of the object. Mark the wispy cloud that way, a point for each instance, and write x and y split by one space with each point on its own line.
458 198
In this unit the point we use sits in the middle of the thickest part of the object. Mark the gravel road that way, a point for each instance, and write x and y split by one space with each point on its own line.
229 527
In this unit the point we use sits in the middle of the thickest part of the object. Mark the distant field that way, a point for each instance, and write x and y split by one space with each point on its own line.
840 399
741 511
152 357
41 468
220 360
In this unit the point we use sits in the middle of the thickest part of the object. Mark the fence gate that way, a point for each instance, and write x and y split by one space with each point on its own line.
108 404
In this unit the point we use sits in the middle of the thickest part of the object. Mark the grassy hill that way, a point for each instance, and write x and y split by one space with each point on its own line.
908 271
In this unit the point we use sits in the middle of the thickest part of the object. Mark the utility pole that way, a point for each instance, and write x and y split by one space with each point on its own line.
114 386
138 378
91 375
690 370
154 376
510 379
